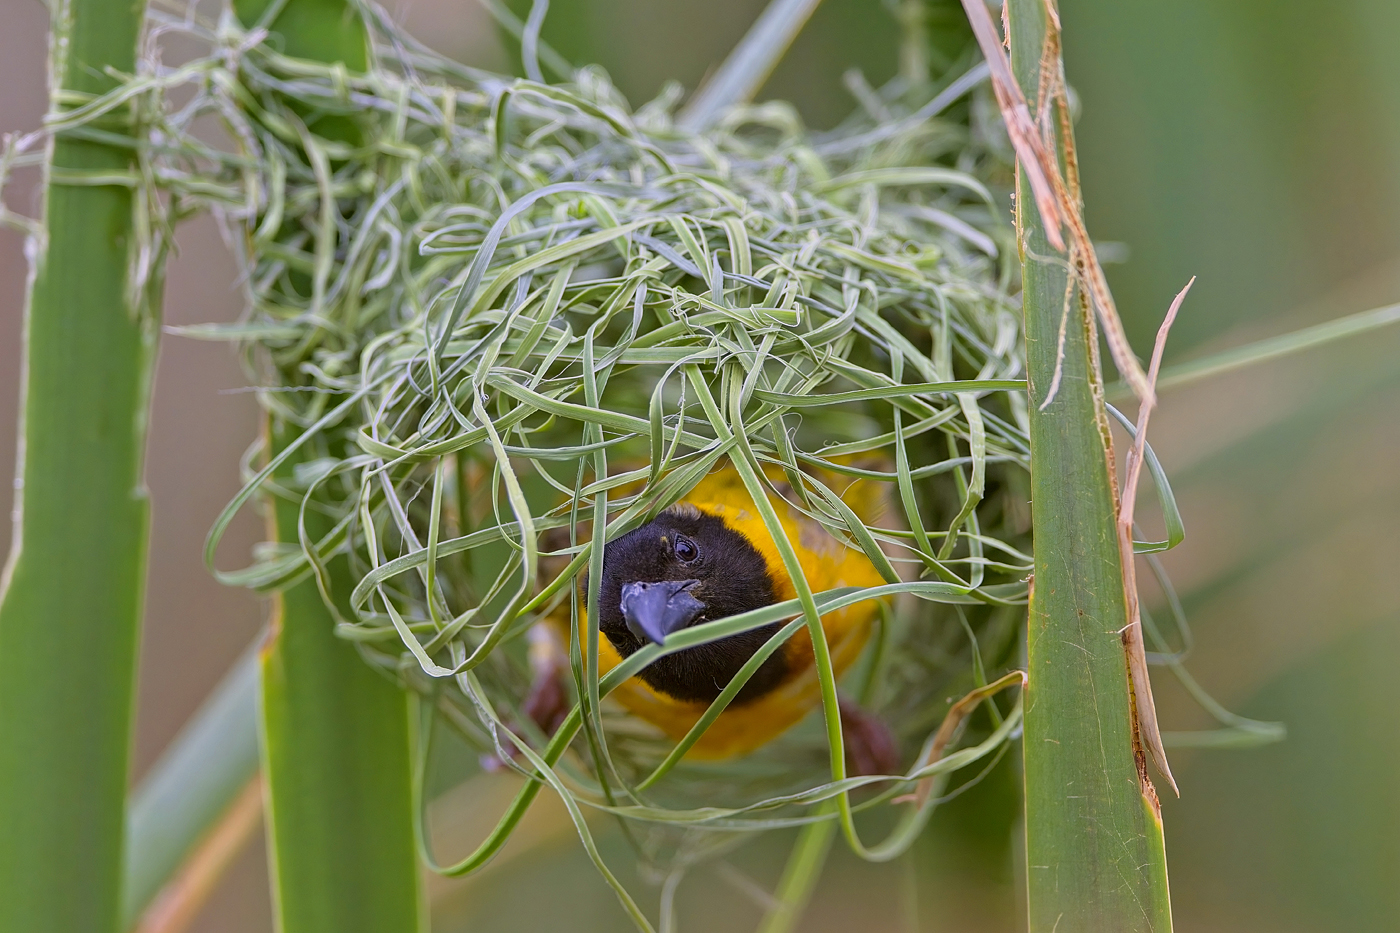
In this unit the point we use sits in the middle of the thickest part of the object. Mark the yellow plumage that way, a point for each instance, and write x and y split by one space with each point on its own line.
826 564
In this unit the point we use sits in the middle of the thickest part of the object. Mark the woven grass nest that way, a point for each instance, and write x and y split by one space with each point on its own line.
498 322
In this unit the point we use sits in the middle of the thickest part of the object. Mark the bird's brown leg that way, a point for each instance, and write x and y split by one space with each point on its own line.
870 746
547 704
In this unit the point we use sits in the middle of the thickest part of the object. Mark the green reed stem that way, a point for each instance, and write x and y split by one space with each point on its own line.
73 589
1095 854
335 733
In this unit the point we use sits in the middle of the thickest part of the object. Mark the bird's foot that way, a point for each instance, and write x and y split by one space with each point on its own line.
870 745
547 704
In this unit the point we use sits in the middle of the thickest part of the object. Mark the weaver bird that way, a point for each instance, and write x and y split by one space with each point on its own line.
710 556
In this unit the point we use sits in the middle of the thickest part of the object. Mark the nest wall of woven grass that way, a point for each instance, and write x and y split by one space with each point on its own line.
502 322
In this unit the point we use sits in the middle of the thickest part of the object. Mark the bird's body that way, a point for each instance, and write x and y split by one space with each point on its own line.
714 551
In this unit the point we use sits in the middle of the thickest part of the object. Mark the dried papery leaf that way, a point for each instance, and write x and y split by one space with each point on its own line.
1020 126
1057 205
1144 705
951 725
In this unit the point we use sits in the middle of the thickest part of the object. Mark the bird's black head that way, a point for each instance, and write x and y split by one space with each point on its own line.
685 568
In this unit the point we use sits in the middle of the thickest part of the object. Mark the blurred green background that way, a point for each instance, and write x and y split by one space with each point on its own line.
1254 144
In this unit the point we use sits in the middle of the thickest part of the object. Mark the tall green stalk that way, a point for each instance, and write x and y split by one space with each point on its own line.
337 760
1096 862
335 734
74 585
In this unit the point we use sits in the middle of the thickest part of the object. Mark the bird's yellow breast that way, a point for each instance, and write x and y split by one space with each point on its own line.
826 564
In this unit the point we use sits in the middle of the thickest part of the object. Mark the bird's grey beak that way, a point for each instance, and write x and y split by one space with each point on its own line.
655 610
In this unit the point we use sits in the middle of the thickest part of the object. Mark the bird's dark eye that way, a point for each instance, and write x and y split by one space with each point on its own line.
686 549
